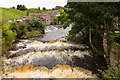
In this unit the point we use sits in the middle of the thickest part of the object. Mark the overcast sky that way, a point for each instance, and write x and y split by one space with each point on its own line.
49 4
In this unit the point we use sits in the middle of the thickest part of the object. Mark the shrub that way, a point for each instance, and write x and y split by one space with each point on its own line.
33 33
111 72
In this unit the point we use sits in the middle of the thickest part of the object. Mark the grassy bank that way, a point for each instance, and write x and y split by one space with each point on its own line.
11 13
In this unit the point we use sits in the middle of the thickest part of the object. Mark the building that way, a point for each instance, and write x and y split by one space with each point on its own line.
25 18
58 7
45 17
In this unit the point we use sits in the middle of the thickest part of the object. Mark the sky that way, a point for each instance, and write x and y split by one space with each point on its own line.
49 4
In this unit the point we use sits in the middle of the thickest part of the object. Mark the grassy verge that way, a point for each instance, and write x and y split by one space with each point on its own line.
8 13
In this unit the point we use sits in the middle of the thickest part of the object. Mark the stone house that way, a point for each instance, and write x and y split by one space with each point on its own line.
25 18
45 17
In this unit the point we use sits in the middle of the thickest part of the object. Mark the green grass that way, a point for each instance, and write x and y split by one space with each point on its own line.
8 13
0 17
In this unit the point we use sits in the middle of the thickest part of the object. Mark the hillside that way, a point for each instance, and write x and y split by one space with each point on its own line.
11 13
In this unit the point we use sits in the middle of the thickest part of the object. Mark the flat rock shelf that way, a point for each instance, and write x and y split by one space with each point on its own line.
50 57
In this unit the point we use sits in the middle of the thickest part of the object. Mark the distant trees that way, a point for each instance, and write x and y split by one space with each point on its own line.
44 8
13 7
38 8
53 8
21 7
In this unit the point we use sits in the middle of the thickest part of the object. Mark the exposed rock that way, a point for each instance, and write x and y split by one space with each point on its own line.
35 59
50 28
48 58
59 71
40 46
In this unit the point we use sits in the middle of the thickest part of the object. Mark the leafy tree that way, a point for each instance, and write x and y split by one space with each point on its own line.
21 7
38 8
35 24
44 8
53 8
98 23
13 7
64 17
93 20
8 37
14 26
55 21
21 30
12 32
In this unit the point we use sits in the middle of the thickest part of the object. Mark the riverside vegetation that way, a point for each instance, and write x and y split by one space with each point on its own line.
12 32
94 24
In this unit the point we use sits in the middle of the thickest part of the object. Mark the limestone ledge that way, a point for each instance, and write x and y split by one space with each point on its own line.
47 58
48 46
59 71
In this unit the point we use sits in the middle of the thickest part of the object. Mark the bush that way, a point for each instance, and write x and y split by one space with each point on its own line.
21 30
33 33
111 72
14 31
7 41
35 24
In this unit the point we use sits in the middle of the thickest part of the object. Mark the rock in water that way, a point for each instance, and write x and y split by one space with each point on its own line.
59 71
40 46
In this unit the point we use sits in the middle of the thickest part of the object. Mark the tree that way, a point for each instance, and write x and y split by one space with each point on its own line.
35 24
97 22
18 7
93 20
21 7
44 8
38 8
13 7
21 30
64 17
8 37
53 8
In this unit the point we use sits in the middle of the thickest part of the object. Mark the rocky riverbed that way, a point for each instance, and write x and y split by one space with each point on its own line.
40 46
55 58
59 71
58 60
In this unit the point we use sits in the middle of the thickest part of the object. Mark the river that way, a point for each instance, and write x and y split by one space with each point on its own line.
52 53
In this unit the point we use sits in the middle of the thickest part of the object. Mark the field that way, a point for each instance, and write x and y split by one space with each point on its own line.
7 13
11 13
